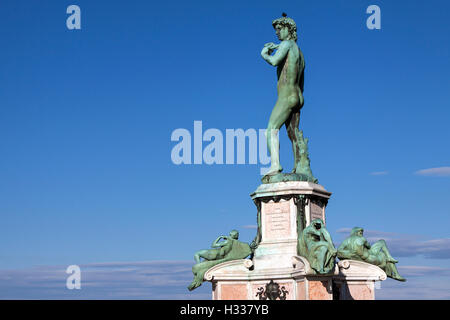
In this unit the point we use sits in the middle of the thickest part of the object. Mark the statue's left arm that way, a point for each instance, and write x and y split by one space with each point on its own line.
279 56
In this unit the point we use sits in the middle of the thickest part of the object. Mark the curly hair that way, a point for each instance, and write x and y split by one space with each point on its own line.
289 23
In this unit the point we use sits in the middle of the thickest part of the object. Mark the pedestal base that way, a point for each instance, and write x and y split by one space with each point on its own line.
356 280
277 270
241 280
238 280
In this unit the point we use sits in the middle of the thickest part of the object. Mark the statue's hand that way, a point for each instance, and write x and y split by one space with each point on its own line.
268 49
271 45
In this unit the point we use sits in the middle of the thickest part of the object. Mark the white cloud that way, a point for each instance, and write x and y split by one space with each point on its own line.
435 172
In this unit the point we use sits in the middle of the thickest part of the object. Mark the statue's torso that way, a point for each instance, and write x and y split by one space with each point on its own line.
289 70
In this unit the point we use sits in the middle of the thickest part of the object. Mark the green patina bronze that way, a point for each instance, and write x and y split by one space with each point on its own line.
255 243
356 247
228 249
317 247
290 72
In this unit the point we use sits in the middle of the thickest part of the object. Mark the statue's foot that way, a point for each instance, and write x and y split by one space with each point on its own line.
193 285
399 278
274 170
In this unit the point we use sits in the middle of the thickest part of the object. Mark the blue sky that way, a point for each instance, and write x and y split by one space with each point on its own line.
86 117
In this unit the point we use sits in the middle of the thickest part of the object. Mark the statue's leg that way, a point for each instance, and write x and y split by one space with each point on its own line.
205 254
197 257
322 253
380 245
392 272
293 134
280 114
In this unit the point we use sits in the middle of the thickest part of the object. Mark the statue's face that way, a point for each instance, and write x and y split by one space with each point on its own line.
234 235
282 32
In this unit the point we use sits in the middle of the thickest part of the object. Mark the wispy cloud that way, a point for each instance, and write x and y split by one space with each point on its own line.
369 233
423 271
379 173
113 280
425 286
434 172
408 245
168 280
423 282
250 226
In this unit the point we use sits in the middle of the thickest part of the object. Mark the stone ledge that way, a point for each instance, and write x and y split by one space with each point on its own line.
240 270
290 187
354 270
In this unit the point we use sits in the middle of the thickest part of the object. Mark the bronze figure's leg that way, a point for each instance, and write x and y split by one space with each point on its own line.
380 245
278 117
293 134
208 255
380 250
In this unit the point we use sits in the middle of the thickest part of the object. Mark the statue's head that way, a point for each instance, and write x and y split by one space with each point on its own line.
317 224
285 28
357 231
234 234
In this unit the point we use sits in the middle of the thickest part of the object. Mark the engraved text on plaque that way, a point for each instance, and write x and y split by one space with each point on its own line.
277 220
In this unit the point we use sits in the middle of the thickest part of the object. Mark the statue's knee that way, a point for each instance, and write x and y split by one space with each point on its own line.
271 130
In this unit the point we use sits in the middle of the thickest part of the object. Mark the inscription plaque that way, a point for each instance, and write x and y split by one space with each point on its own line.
316 211
277 220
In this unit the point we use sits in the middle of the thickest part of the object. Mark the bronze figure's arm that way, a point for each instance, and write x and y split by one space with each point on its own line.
278 57
218 244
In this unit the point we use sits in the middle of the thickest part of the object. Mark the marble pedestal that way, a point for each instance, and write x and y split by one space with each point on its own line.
284 210
241 280
351 280
356 280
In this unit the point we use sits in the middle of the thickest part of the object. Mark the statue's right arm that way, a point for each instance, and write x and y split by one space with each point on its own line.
217 244
282 50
